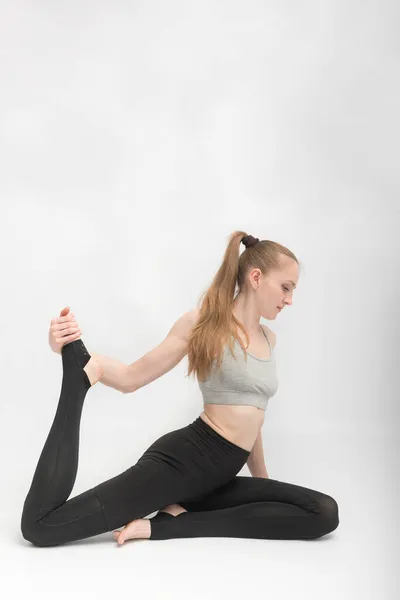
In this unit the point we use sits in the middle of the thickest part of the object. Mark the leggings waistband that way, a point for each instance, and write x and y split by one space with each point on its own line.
207 432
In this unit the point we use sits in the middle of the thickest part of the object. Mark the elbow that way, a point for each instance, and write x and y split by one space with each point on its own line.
129 382
128 389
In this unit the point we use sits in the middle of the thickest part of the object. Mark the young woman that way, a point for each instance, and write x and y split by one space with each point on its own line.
188 475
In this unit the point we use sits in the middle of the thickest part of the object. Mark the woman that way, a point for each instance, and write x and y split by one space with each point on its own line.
188 475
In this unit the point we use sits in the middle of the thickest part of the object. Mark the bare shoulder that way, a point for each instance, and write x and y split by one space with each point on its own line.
183 326
271 335
192 319
194 315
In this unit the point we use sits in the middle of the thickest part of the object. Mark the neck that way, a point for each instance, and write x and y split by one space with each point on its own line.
245 311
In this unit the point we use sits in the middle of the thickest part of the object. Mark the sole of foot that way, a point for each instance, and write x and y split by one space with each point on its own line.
135 530
173 509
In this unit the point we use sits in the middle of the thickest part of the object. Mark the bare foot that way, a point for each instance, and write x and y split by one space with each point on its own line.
141 528
93 370
137 529
173 509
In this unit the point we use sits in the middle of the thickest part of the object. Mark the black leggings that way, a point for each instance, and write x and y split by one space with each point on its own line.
193 466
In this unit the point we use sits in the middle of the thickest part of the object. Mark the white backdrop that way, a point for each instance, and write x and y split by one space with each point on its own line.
135 137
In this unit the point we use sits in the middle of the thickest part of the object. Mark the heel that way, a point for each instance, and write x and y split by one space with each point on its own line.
77 353
162 516
82 355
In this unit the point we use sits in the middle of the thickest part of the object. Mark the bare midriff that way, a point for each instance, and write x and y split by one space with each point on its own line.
238 424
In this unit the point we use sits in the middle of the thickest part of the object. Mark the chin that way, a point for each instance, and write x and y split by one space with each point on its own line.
269 317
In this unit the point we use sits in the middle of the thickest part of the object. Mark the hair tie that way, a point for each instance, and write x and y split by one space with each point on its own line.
249 241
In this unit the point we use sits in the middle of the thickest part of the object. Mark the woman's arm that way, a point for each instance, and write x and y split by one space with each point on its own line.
256 460
157 362
116 374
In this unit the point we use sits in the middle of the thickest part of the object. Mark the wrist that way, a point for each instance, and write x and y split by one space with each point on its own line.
257 470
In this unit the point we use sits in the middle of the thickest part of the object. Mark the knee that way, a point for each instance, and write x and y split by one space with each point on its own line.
29 533
34 536
328 516
32 532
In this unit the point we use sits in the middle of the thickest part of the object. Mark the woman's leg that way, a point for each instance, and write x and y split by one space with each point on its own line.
48 518
252 507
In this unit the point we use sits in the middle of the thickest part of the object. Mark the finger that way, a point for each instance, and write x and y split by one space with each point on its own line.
64 319
70 317
60 321
69 331
69 338
63 326
65 333
66 324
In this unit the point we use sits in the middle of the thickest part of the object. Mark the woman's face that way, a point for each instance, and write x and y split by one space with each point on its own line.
276 290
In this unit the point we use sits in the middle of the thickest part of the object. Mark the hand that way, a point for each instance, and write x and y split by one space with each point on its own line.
63 330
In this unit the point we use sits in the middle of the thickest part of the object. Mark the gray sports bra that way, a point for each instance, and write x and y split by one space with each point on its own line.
252 384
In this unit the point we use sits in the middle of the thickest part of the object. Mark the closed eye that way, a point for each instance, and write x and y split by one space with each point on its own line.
285 288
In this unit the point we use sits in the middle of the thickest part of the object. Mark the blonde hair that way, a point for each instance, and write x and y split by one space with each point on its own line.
216 323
